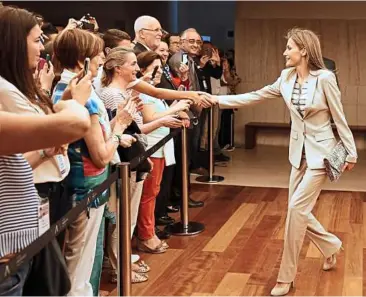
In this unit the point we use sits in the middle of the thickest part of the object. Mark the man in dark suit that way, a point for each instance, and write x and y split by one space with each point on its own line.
331 65
148 33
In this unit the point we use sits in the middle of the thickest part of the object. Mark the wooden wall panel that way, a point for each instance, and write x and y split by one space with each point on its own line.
259 46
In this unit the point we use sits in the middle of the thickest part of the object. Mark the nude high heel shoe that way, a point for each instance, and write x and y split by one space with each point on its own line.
282 289
330 263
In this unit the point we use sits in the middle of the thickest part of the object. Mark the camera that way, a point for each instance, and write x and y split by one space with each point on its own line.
85 24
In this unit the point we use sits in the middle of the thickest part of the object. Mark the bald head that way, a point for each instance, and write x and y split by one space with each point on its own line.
148 31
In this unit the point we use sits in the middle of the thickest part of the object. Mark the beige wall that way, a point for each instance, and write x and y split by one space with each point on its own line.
259 44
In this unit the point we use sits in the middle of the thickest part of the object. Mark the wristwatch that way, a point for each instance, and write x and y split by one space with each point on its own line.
43 155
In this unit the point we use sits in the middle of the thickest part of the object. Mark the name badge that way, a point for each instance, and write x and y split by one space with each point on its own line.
43 216
61 164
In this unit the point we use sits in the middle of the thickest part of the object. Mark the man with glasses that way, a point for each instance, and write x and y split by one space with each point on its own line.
148 33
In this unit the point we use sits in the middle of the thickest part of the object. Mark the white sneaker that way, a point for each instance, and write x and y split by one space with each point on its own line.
135 258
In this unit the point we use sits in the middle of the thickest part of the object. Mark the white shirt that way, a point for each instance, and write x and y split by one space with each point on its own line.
54 169
166 151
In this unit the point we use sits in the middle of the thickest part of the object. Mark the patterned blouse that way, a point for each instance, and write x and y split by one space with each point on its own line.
299 96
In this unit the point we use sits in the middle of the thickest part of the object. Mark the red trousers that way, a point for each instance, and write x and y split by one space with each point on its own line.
146 217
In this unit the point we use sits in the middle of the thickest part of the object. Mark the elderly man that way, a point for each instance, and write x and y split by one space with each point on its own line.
148 33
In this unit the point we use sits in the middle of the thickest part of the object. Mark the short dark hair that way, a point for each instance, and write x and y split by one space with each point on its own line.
167 37
49 29
15 25
146 58
112 37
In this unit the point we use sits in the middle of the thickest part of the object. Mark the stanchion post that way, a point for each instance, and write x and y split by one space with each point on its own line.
211 178
124 232
185 194
185 228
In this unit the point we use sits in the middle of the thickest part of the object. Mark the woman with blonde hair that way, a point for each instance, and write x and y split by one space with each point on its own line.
313 97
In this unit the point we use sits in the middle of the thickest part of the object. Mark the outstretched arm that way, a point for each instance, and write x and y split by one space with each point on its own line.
23 133
146 88
235 101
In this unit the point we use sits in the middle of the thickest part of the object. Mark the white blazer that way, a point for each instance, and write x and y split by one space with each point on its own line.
314 130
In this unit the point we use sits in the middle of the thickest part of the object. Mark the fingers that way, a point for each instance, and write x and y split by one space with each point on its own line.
51 67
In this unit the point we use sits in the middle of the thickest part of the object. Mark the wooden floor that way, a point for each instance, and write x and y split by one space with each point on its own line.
239 252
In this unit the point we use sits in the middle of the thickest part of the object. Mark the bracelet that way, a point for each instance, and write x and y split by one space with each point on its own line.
116 138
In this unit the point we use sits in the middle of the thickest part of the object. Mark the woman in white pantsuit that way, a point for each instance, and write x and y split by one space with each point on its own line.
313 97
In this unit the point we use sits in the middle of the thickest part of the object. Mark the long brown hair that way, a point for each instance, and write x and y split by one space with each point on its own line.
308 40
15 25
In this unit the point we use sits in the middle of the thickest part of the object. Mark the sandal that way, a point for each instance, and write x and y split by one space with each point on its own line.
138 278
157 250
164 244
141 267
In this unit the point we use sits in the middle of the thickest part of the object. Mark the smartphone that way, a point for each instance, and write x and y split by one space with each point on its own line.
41 64
154 72
185 58
48 59
86 66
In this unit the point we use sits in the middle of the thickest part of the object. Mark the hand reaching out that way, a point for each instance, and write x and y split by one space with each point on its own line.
182 105
171 122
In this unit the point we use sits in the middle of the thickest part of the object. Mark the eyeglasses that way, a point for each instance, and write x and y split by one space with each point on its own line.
158 30
193 41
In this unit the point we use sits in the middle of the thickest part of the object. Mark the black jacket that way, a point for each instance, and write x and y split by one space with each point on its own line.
139 48
204 74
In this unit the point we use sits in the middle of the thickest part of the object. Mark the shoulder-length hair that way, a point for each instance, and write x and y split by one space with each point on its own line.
74 45
15 25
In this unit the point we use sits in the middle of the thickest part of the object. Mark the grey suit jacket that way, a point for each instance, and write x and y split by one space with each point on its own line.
314 129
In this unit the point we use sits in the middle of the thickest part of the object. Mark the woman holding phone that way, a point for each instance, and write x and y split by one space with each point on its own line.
28 122
90 158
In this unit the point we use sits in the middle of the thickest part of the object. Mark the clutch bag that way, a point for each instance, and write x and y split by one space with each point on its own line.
334 162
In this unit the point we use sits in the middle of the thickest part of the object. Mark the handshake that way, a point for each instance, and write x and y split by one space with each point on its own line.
203 99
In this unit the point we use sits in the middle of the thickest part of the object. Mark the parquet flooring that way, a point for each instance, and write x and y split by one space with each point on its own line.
239 253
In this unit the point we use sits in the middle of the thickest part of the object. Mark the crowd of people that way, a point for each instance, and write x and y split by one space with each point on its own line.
74 103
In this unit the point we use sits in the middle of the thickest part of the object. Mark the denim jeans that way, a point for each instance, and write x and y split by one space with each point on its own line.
13 285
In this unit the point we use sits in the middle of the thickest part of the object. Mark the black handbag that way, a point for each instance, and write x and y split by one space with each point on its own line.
48 275
136 149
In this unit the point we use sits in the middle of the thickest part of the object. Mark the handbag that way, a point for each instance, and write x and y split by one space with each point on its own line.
48 275
335 161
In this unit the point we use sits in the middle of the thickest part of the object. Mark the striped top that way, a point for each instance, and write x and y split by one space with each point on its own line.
112 97
18 205
299 96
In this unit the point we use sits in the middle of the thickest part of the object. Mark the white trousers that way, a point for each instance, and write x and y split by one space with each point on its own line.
80 251
304 189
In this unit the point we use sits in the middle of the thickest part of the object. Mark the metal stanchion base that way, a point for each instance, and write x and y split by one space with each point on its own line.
178 229
207 179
